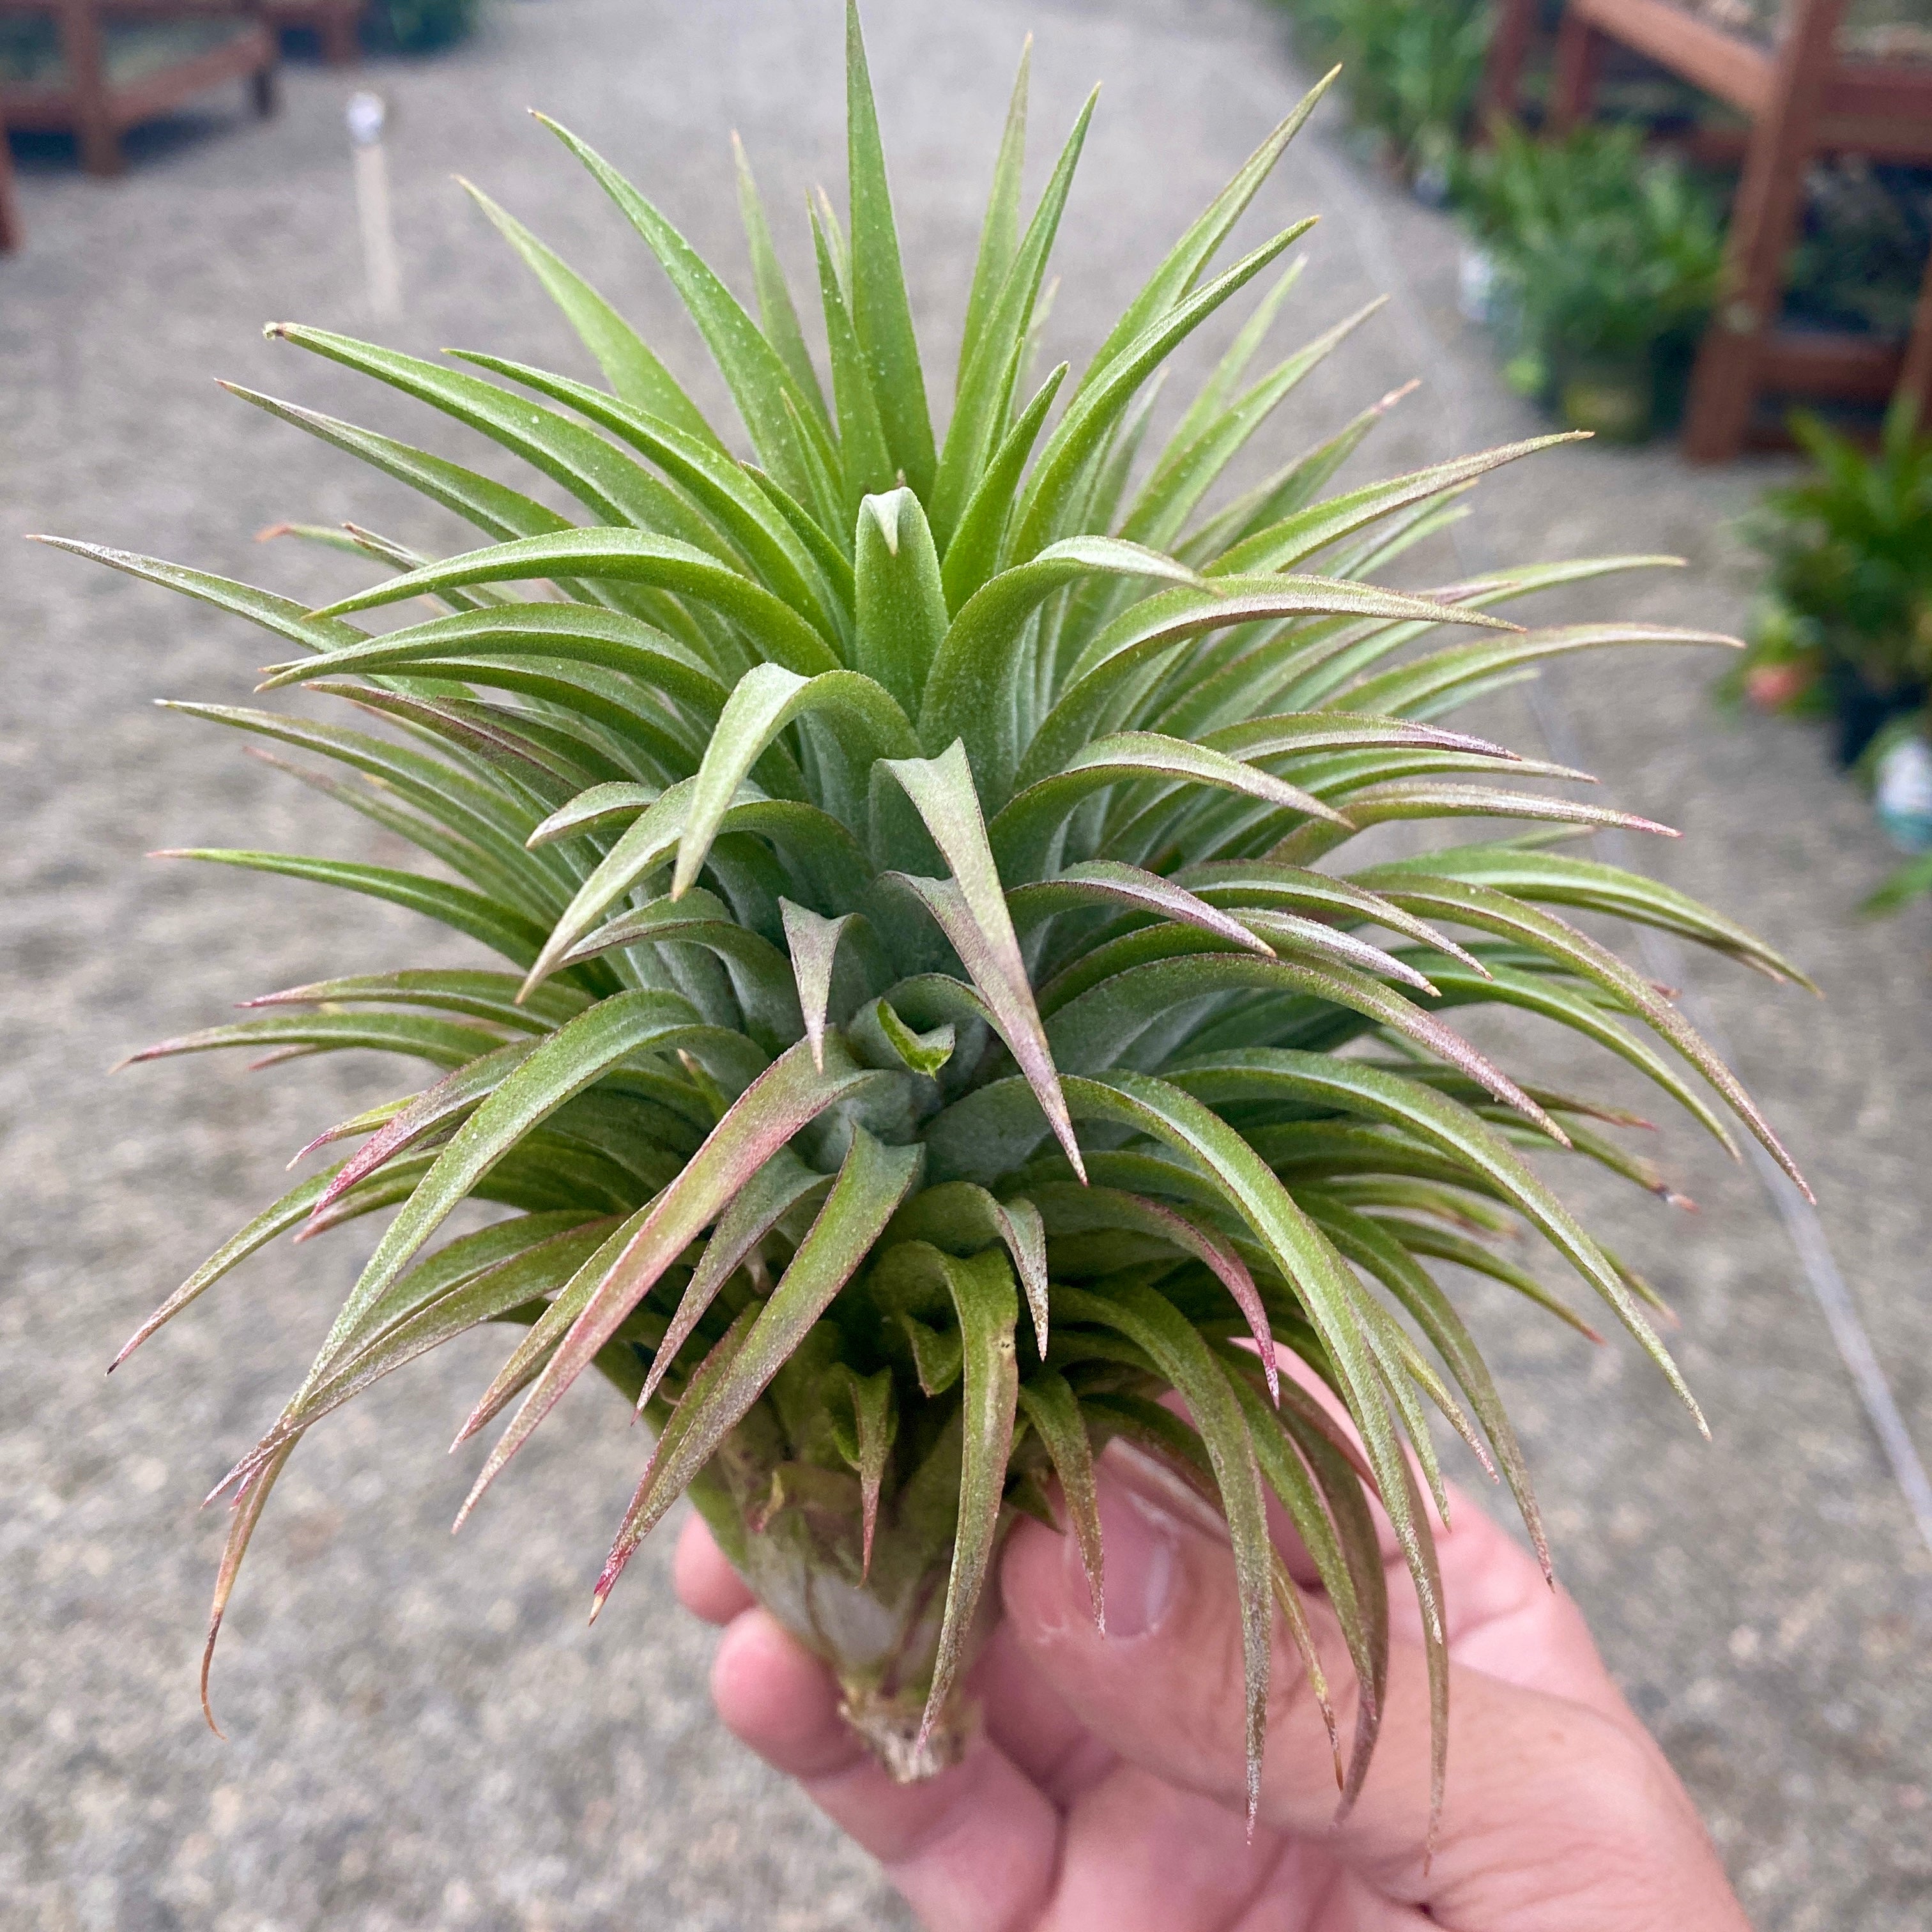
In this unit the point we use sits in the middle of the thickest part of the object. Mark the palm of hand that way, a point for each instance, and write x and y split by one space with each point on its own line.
1106 1793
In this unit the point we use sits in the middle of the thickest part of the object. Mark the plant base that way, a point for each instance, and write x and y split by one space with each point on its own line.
890 1727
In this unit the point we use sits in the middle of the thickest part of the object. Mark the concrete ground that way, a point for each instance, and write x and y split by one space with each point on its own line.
423 1734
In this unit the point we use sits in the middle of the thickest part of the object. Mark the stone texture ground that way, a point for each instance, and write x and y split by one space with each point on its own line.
423 1734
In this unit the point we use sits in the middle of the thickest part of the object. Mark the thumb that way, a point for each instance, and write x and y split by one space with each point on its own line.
1554 1815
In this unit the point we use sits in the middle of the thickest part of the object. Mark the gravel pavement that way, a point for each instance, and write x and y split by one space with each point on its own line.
423 1734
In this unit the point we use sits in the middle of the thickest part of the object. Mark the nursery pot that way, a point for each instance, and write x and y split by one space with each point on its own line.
1863 708
1615 397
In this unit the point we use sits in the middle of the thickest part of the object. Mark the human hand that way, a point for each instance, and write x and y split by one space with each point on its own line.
1107 1789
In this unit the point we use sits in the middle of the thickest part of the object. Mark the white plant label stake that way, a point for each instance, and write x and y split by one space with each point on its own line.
381 263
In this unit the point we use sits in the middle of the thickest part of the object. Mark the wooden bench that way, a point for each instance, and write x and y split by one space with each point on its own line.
110 65
1803 96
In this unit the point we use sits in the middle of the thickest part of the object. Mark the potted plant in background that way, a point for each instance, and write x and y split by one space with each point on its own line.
1844 628
1605 263
925 1035
421 26
1411 72
1845 623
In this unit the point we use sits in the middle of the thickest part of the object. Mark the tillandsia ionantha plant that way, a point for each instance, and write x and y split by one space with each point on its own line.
935 1042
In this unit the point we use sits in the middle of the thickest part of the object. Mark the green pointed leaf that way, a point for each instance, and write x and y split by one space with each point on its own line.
756 376
881 311
1189 468
713 481
493 508
1025 832
790 1093
999 228
869 1446
517 938
1106 882
973 550
563 1064
871 1183
1104 397
1048 1403
1182 266
1441 1122
453 1098
1467 904
767 698
1000 348
246 1513
867 464
881 1038
628 366
443 1042
942 791
813 940
290 1211
962 1219
630 556
772 1193
762 984
1072 1210
777 316
981 1289
282 615
1558 878
445 1297
606 481
1284 545
1153 1323
901 606
1570 1005
983 650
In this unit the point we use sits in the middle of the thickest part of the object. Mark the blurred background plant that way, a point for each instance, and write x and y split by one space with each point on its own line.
1861 258
1411 70
418 26
1843 630
1602 265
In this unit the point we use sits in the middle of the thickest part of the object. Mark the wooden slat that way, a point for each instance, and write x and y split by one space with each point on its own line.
11 234
154 94
1733 70
1832 367
1763 218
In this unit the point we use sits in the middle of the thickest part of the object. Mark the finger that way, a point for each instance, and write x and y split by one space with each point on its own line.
1026 1717
1544 1796
706 1585
973 1850
1502 1618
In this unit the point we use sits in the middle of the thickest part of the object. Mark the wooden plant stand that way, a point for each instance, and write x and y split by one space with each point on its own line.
96 103
1802 99
336 24
10 232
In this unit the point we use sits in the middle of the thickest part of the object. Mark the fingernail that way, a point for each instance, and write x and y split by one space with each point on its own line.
1141 1544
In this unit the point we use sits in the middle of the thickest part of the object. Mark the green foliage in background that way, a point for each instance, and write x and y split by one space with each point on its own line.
420 26
1411 69
1845 622
1861 258
1849 547
1605 252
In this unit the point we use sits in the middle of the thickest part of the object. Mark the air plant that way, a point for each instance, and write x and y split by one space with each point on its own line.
938 1039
